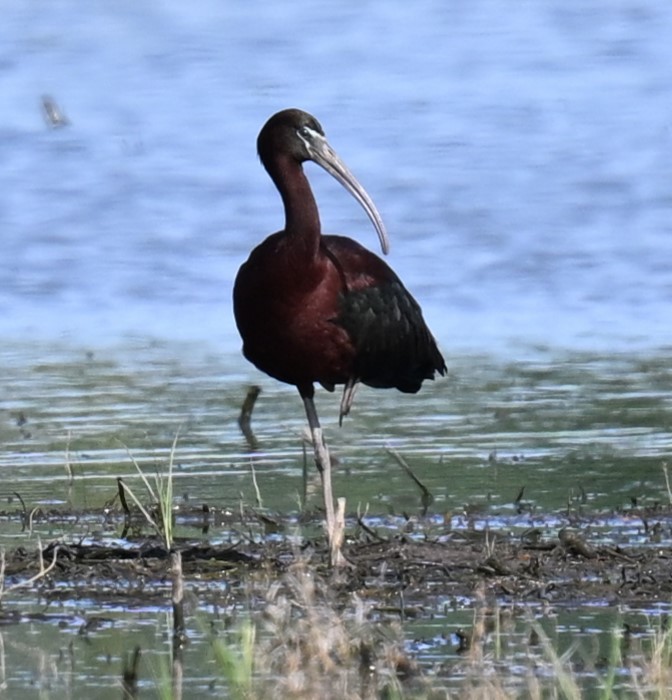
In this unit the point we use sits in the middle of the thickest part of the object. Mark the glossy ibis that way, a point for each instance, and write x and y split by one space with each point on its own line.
313 308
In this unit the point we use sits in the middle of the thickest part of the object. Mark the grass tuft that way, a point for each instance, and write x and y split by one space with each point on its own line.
307 644
162 496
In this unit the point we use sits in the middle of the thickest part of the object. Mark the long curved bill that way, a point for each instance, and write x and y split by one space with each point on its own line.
324 155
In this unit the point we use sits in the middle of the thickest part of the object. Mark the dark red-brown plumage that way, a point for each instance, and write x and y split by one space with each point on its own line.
313 308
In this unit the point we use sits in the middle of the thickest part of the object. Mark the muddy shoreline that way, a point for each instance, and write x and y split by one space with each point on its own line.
402 571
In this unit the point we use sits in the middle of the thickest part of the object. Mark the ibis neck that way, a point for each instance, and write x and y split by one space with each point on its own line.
302 220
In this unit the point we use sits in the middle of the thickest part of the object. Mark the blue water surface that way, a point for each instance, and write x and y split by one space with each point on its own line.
519 154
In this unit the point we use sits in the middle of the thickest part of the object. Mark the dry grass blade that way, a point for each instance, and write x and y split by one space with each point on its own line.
28 582
138 468
667 482
257 492
313 645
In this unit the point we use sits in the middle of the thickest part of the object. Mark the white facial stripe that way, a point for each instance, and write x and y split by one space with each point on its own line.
311 137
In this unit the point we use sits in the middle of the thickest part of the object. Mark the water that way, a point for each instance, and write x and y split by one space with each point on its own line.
581 432
71 425
519 157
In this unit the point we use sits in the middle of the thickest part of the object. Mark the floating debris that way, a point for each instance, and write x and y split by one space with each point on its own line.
53 115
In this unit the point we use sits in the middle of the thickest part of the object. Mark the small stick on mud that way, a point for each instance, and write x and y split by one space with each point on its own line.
129 679
427 498
337 535
371 533
41 574
245 417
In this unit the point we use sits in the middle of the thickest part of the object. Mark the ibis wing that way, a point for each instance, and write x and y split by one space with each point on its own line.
394 347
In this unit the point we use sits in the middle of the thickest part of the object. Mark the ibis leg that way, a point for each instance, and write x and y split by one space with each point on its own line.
322 459
323 462
348 398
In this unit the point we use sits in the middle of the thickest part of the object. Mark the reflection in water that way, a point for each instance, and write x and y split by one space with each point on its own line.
245 417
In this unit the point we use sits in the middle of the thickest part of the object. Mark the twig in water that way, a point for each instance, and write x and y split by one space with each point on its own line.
3 565
24 514
122 497
143 510
177 672
129 679
68 464
520 506
205 518
257 493
52 113
667 482
427 498
36 511
179 635
245 417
